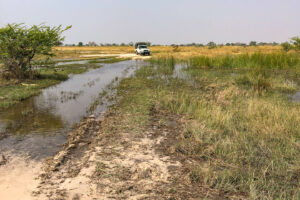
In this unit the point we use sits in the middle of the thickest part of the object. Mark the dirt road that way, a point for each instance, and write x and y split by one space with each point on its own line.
99 162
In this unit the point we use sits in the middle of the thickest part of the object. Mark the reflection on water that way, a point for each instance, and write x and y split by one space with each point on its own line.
66 62
179 73
39 124
28 117
71 62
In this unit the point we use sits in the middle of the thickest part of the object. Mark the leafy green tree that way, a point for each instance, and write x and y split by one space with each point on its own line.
80 44
20 44
286 46
296 43
252 43
211 45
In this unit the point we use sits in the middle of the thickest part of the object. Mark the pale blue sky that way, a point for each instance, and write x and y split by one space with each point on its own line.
161 21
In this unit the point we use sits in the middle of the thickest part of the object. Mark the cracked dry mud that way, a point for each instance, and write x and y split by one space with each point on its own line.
98 164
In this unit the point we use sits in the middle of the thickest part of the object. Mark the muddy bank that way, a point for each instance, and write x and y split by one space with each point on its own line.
105 160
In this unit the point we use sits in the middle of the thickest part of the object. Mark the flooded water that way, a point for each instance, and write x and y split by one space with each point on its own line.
66 62
295 97
71 62
39 126
179 73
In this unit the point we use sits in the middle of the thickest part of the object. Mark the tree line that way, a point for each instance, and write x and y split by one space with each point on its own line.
209 44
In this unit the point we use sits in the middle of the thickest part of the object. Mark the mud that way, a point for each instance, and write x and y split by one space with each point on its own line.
100 164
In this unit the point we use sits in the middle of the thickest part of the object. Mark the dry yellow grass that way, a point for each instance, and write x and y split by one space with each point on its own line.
180 52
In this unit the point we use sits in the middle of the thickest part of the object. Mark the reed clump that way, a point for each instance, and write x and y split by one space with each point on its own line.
269 61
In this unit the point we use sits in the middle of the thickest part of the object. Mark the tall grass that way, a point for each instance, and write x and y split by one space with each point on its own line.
244 144
258 66
269 61
164 65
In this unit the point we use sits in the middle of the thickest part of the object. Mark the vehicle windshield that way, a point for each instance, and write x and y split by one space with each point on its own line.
143 47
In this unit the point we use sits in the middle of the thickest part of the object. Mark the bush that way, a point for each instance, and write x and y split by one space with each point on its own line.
286 46
296 43
19 45
211 45
252 43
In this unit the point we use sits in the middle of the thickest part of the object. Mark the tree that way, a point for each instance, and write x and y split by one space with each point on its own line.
286 46
19 44
296 43
92 44
80 44
252 43
211 45
293 44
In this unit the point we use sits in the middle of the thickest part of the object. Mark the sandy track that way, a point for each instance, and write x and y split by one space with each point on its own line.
96 164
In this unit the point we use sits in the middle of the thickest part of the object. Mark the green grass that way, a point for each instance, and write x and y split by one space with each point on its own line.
19 91
241 129
248 142
256 60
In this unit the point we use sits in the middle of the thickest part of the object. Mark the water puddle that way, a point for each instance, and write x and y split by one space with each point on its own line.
39 126
179 71
295 97
66 62
71 62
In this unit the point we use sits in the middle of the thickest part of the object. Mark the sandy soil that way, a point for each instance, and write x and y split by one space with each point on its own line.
96 164
18 177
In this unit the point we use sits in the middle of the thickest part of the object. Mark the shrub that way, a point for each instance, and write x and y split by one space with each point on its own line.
19 44
211 45
296 43
286 46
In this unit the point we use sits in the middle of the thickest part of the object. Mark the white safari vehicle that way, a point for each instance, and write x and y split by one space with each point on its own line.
142 49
